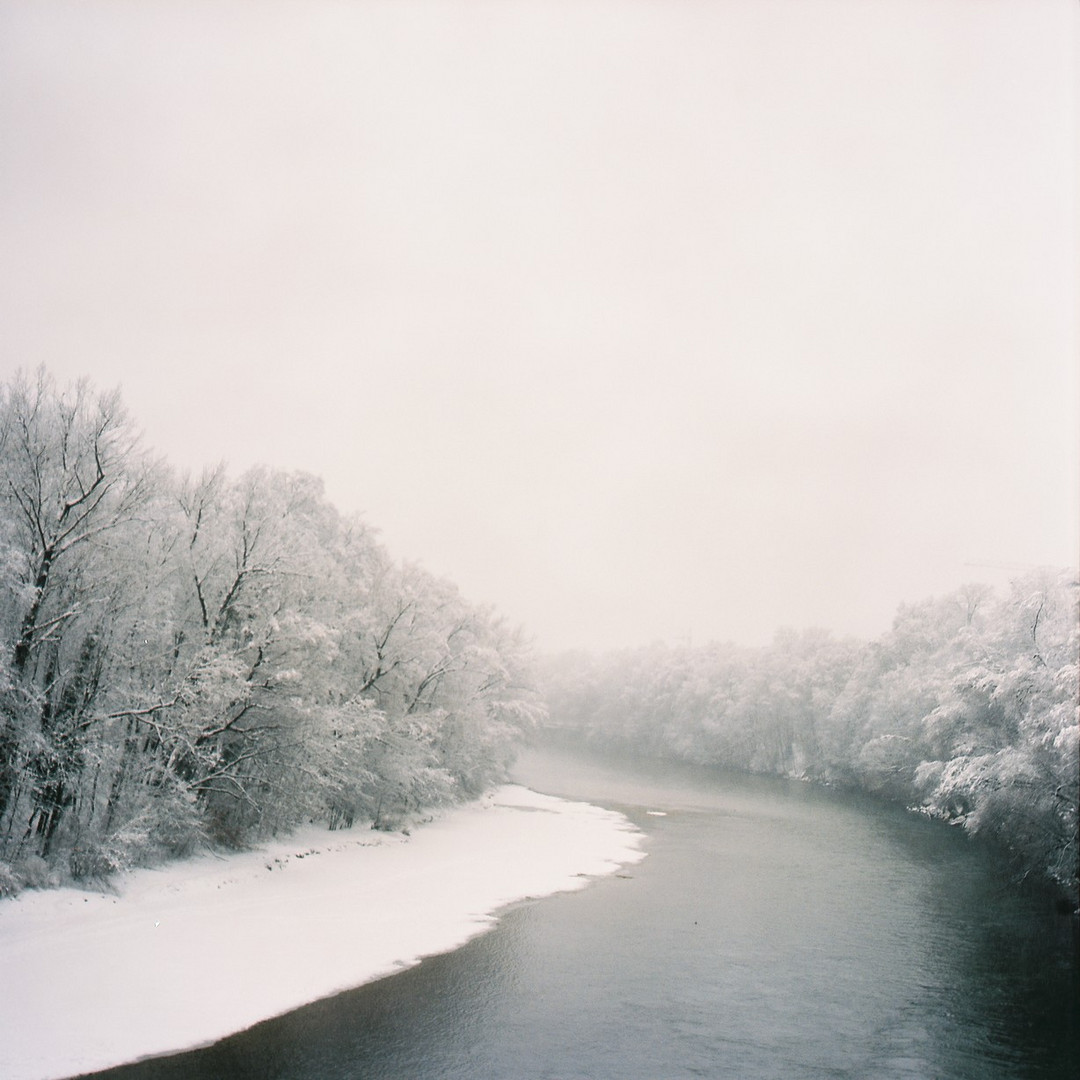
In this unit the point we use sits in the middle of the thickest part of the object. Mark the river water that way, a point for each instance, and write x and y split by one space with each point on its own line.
776 930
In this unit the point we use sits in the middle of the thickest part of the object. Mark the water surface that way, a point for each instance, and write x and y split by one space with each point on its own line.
775 930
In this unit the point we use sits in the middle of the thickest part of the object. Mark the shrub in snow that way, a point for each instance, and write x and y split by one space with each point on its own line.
9 883
34 872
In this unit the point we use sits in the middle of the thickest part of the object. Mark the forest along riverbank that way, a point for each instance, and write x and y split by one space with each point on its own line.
182 956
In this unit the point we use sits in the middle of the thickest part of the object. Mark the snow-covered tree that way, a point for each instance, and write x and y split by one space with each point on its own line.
190 658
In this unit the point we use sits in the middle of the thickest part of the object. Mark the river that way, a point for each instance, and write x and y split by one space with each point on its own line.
776 930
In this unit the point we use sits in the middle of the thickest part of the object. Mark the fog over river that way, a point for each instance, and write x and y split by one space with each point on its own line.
774 930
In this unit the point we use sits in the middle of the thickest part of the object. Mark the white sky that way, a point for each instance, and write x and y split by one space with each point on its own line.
637 319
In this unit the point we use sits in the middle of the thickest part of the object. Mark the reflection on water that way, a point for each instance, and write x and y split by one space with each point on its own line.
775 930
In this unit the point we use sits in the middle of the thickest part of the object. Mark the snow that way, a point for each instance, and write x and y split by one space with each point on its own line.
181 956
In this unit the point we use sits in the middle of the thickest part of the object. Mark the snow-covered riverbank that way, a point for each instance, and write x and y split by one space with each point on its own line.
184 955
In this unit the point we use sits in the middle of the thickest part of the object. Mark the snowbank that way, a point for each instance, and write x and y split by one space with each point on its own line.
182 956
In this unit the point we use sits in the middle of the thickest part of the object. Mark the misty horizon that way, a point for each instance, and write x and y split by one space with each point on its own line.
638 323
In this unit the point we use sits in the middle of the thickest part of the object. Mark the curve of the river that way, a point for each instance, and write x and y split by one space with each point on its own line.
775 930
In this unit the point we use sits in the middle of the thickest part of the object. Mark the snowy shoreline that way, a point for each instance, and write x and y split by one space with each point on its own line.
184 955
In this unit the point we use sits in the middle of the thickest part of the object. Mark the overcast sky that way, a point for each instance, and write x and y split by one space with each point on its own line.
637 319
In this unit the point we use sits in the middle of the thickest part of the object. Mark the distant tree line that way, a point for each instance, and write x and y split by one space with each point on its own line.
213 658
967 709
